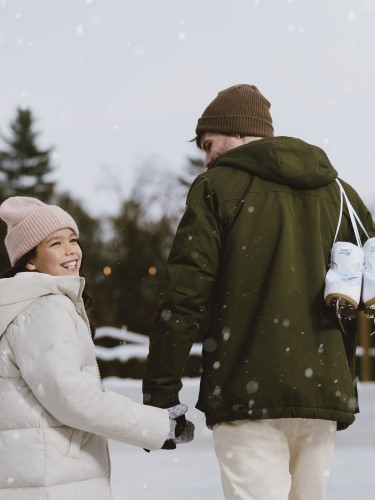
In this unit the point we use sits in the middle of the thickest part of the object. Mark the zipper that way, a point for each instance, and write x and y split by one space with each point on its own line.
100 380
82 312
109 459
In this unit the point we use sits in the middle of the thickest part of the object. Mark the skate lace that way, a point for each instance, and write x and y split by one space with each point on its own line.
341 312
354 219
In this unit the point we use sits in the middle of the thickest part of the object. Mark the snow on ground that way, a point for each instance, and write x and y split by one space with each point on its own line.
191 472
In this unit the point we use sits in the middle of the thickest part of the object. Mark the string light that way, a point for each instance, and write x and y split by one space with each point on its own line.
152 271
107 270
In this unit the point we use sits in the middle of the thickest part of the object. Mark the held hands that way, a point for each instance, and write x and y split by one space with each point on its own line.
181 430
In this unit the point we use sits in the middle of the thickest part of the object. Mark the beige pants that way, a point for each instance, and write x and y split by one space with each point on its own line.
280 459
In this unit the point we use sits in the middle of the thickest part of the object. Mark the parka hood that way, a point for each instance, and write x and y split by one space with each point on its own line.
19 292
284 160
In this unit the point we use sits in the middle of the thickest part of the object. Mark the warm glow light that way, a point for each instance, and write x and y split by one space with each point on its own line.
107 270
152 271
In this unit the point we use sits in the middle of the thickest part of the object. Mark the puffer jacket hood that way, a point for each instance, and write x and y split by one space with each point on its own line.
19 292
284 160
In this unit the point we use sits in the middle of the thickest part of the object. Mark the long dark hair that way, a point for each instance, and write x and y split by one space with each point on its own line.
20 267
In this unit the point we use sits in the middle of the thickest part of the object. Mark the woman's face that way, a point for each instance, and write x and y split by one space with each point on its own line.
59 254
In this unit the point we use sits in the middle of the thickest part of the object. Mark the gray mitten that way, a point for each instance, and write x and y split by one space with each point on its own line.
181 430
187 433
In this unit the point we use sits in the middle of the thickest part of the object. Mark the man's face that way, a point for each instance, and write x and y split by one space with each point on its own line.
214 145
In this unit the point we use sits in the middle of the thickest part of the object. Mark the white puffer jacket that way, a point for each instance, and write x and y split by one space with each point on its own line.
54 415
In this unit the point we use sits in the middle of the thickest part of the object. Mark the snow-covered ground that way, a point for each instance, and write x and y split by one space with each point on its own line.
191 472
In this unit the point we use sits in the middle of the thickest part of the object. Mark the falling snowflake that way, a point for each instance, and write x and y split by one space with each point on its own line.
139 50
79 30
209 345
252 386
226 334
40 390
351 16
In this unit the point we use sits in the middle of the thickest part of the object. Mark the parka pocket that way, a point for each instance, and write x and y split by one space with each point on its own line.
75 443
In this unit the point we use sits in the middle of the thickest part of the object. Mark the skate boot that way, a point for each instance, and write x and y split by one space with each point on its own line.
344 279
368 289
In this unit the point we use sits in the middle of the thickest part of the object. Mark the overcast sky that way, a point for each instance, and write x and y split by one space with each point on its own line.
116 84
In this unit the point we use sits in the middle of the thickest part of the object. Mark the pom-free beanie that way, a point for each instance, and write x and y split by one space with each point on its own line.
29 222
240 109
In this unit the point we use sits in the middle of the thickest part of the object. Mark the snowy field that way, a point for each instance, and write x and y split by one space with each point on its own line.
191 472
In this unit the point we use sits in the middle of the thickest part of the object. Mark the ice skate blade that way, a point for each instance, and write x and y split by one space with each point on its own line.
370 311
344 309
343 300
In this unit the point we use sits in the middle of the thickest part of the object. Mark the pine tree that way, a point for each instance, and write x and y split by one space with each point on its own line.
24 168
194 167
143 233
137 258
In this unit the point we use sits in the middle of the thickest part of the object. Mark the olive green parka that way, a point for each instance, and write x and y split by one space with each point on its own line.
246 274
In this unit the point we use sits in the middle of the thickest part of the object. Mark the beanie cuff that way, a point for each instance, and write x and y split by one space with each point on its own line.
233 125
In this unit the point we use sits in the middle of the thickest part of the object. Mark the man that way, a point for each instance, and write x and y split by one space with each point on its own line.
246 272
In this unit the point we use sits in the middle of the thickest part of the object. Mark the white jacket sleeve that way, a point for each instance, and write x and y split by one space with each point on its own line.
50 355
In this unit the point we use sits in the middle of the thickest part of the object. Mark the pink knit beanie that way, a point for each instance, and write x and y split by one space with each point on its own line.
30 221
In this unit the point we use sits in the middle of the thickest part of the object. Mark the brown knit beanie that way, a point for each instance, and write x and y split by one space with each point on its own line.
240 109
30 221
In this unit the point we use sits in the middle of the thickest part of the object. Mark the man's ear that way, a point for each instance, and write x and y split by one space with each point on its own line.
30 266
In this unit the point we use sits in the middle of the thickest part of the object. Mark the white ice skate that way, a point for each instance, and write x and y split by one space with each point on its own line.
344 279
368 288
343 284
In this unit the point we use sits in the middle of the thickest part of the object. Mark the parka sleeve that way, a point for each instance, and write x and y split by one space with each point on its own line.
183 314
50 358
